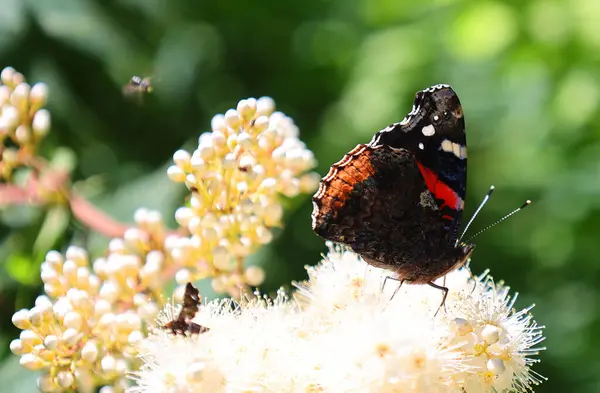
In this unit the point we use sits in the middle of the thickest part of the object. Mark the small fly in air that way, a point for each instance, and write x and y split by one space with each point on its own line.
137 87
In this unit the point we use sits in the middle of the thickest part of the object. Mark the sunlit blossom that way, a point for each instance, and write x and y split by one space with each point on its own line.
236 177
23 121
81 332
343 333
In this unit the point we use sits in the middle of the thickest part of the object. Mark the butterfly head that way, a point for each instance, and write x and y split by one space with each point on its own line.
464 251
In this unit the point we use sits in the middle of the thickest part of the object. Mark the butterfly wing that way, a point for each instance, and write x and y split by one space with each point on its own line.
375 201
434 131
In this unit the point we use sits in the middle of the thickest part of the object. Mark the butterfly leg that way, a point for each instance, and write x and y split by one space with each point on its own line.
395 279
397 289
443 289
385 282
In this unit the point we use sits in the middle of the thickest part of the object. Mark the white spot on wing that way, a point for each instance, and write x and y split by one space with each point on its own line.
428 130
457 149
421 146
447 146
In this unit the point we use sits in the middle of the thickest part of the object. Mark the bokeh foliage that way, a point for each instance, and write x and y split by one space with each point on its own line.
527 74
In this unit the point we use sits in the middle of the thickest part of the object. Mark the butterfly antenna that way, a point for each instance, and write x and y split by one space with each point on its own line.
483 202
527 203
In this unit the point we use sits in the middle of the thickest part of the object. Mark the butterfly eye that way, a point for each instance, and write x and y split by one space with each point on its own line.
447 115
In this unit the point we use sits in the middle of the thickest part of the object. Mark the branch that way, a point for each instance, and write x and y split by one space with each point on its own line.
11 194
82 209
95 219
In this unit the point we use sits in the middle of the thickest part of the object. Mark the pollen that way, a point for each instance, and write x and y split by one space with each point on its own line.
382 349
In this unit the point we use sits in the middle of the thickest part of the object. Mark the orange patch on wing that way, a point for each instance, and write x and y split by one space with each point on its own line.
458 113
343 176
439 189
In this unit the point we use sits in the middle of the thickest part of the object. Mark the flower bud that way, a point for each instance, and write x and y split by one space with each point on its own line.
38 95
247 108
31 362
16 347
182 276
10 116
254 276
462 326
21 319
233 119
22 134
45 383
176 174
181 158
183 215
65 379
265 106
20 95
490 334
51 342
7 74
73 320
71 336
29 338
221 258
496 366
108 364
218 123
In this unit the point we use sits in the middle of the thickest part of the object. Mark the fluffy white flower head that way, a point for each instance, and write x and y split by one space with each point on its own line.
344 333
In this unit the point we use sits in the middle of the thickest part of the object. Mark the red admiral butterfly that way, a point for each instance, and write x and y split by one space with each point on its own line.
183 323
398 200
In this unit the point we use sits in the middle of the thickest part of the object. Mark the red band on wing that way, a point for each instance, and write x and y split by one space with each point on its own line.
439 189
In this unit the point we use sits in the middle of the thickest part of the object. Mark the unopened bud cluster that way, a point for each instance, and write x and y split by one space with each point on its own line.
236 176
82 332
23 121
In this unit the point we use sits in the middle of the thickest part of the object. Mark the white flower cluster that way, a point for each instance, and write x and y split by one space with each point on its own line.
22 119
82 332
343 333
236 175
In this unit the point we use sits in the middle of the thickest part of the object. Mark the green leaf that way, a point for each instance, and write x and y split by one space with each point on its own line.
153 191
22 268
53 227
16 378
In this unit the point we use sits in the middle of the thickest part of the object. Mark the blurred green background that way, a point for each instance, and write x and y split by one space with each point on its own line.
527 73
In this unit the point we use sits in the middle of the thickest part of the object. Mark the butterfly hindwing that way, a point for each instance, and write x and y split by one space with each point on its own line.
375 201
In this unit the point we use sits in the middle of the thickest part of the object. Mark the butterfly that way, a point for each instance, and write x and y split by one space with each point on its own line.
398 200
